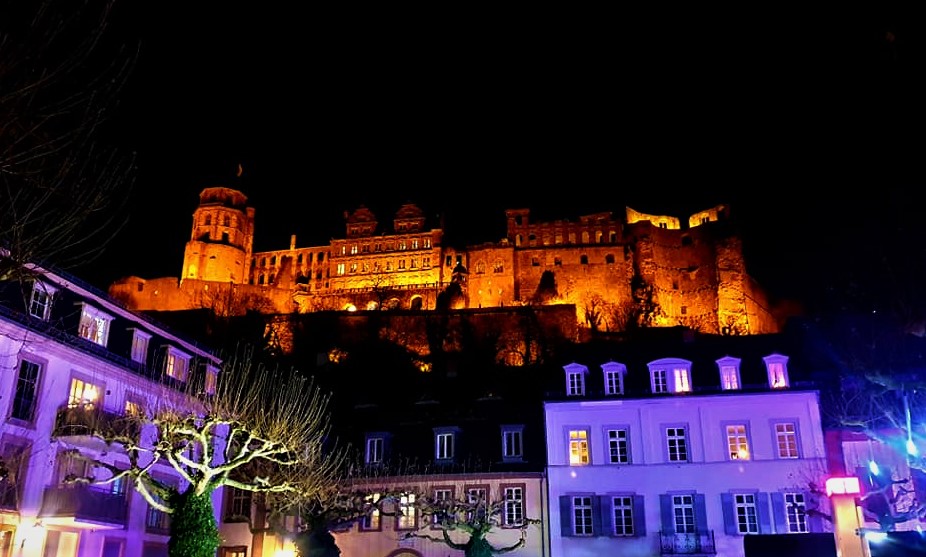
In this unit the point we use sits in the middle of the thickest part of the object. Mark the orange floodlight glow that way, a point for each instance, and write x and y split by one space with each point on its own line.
842 486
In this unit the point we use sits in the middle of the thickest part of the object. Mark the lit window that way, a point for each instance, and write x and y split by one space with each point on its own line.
443 498
514 506
341 269
786 437
477 498
372 519
94 325
133 408
578 447
682 382
796 511
747 519
176 364
414 243
677 444
40 303
777 371
408 512
353 249
582 515
83 394
729 373
737 443
617 446
140 346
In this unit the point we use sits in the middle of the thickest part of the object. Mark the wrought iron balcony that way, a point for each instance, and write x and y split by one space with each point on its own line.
691 543
90 420
84 504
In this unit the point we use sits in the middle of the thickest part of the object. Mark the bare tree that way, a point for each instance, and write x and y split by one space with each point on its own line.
62 186
262 430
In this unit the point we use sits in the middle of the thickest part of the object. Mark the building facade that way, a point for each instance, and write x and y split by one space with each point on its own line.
72 358
650 461
652 270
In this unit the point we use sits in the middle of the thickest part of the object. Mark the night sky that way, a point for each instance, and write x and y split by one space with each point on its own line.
803 122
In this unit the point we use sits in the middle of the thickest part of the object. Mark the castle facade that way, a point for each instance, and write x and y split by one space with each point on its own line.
642 270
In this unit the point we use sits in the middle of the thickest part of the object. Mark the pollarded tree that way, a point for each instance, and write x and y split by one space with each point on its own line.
262 430
476 518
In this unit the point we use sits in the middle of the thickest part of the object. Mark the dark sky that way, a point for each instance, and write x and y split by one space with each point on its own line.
803 121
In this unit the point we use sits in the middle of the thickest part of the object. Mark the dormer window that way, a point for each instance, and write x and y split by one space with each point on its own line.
614 378
445 443
211 379
40 302
176 363
575 379
777 366
670 375
375 448
94 325
140 345
729 373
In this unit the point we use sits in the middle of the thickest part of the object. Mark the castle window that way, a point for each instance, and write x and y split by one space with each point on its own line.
365 268
378 246
558 238
342 268
414 264
353 267
318 276
535 261
299 259
263 261
226 221
598 236
208 220
684 310
663 225
353 249
585 237
321 257
388 265
427 243
583 260
613 237
609 259
366 248
260 279
558 261
674 285
414 243
449 261
253 262
531 240
225 237
343 250
705 220
499 266
480 267
403 244
273 261
426 263
270 279
401 264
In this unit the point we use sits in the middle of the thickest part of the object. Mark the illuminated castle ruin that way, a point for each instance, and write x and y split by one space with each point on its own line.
644 270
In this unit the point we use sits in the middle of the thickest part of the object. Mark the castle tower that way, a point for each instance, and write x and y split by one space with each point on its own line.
222 238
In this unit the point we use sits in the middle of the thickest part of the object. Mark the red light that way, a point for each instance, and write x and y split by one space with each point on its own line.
842 486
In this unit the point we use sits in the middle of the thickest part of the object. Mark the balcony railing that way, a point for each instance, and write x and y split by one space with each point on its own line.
157 522
693 543
84 503
89 420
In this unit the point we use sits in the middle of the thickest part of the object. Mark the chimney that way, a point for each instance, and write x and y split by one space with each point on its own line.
292 242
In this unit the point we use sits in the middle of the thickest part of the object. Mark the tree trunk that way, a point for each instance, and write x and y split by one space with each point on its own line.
479 547
193 530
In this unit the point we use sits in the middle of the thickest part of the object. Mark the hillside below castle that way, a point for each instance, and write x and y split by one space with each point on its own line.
637 271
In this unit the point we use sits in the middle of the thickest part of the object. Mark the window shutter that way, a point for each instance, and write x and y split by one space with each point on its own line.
778 512
729 514
606 507
565 515
700 512
596 516
765 520
666 513
639 516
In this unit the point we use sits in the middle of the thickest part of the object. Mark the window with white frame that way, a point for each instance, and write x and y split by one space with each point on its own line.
672 375
582 515
729 373
512 442
618 450
786 439
477 497
614 378
371 521
407 518
747 517
41 300
683 514
94 325
737 441
444 441
140 346
796 512
575 379
578 447
777 366
622 509
677 444
84 394
176 364
375 449
513 514
443 497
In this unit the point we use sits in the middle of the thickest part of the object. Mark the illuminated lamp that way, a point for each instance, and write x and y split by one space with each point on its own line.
847 516
842 486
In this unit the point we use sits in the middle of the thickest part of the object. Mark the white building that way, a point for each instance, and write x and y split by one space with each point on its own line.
69 356
649 461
